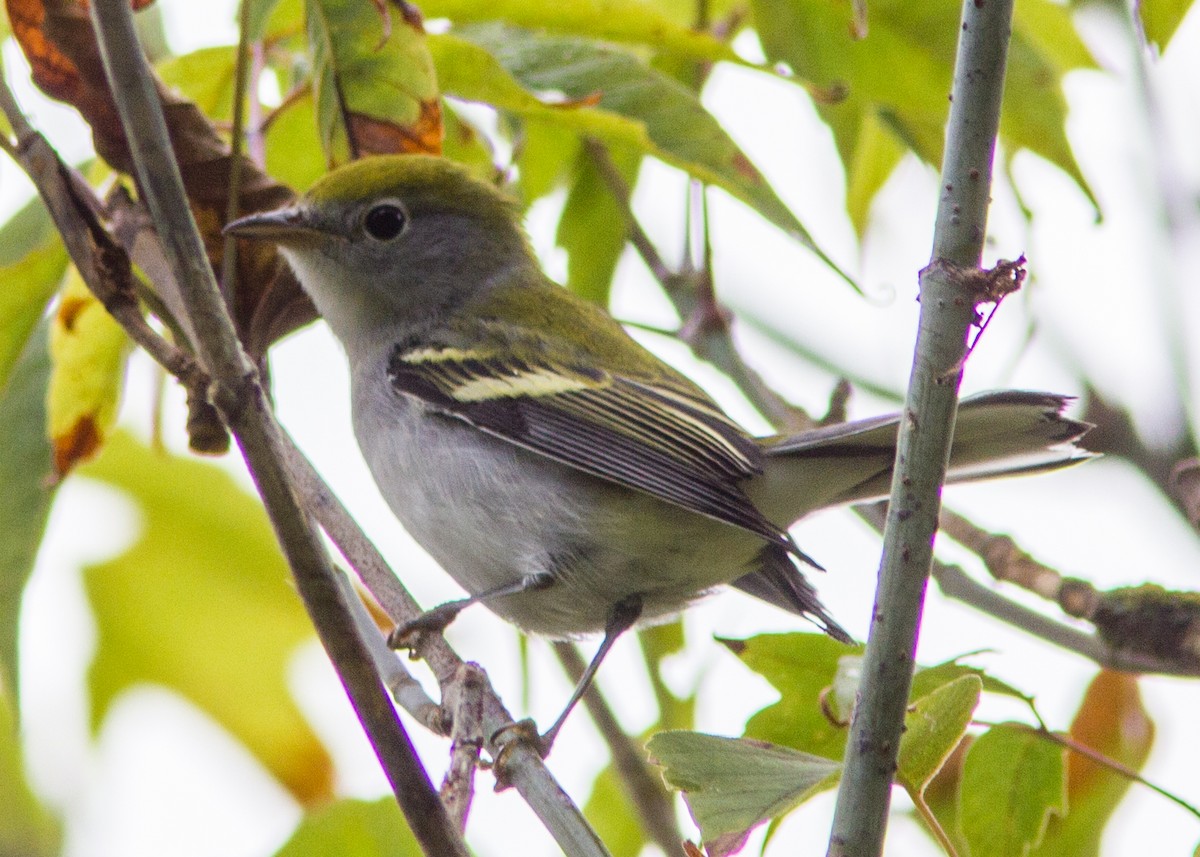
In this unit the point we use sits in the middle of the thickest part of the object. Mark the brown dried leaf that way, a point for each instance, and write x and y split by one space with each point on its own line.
57 38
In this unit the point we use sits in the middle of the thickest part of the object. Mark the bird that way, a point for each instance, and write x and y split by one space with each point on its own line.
560 472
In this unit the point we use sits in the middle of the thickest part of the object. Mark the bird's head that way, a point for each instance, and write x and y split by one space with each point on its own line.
398 237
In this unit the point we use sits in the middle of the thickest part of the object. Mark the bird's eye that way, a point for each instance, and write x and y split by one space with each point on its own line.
384 221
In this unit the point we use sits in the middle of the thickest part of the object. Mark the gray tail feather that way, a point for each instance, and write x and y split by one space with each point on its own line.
779 582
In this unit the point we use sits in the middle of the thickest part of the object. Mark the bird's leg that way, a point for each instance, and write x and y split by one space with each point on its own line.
620 619
437 618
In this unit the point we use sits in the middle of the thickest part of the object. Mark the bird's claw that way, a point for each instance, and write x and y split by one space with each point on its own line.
432 621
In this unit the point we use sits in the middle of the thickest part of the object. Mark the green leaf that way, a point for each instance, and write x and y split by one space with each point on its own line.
933 726
467 144
205 77
613 816
203 603
634 106
1161 18
270 18
353 828
546 155
927 679
1013 780
33 261
593 227
733 784
800 667
25 471
373 81
1112 721
26 827
293 146
896 79
658 643
633 21
876 153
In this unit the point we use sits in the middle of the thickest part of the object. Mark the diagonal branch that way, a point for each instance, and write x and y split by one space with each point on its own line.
242 402
955 583
72 203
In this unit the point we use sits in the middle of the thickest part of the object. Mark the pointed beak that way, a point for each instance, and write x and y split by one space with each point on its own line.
282 226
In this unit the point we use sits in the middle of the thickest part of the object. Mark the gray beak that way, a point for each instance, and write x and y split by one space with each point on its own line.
281 226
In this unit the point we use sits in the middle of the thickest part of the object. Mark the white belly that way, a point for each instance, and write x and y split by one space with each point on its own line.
493 514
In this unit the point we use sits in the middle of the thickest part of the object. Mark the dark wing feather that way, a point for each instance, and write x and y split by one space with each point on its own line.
652 438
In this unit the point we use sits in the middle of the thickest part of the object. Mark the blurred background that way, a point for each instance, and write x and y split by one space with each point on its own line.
1110 312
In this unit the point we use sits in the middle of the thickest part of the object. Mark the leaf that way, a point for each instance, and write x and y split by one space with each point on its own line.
658 643
268 19
876 153
373 80
926 679
593 227
632 21
1013 780
546 155
57 39
28 285
733 784
465 143
608 94
26 827
613 816
353 828
800 667
202 603
88 350
1112 721
895 80
25 473
933 726
293 146
1161 18
205 77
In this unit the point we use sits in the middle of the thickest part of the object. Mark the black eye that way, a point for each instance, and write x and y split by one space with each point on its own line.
384 222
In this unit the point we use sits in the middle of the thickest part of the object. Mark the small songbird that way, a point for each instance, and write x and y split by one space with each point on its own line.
561 473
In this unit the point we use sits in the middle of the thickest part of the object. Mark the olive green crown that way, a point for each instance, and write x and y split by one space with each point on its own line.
423 183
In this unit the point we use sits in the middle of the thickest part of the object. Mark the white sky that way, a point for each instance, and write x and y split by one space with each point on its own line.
159 781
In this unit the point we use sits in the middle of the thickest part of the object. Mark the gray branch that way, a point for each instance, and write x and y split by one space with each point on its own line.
239 397
949 296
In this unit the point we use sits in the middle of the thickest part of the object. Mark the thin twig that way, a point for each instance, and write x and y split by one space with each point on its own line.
948 309
242 402
466 740
524 769
620 190
102 264
706 331
228 281
955 583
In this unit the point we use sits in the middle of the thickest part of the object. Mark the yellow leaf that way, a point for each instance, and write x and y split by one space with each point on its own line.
88 351
203 603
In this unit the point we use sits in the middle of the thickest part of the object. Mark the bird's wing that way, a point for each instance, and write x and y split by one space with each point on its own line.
658 436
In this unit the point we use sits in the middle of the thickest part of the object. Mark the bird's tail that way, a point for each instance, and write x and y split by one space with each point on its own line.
997 434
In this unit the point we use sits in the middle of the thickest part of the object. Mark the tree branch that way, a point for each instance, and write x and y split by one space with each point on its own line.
69 199
523 768
645 789
948 309
955 583
241 400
